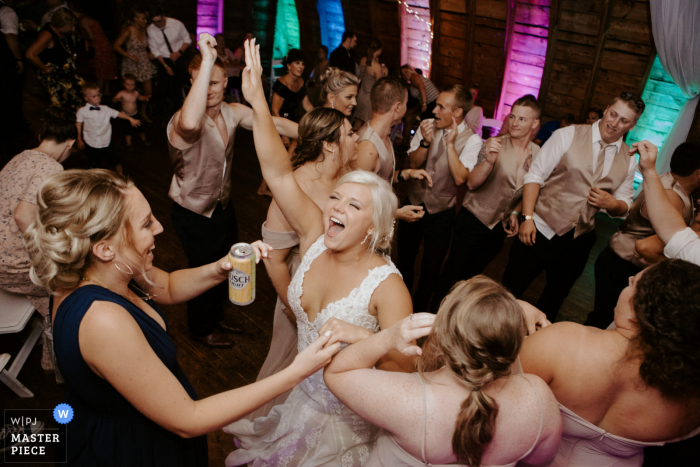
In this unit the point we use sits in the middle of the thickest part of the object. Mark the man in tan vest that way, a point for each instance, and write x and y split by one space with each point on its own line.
200 142
375 151
447 149
490 207
580 170
617 263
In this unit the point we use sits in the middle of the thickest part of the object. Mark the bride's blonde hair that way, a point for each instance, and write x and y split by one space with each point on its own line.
76 209
477 335
384 202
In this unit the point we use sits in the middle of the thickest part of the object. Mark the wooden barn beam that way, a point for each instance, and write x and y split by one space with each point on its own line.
554 21
468 66
435 25
608 7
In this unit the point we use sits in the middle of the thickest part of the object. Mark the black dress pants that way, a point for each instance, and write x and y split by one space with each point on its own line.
436 230
473 247
612 274
563 258
206 240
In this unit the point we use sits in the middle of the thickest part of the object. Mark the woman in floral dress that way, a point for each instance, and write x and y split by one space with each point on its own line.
137 56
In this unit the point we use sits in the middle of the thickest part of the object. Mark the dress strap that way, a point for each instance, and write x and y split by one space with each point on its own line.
539 432
425 419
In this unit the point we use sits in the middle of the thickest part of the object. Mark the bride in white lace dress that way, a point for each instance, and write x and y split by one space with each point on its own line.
343 285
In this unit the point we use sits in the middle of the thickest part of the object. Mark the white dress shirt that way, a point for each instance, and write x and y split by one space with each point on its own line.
685 245
97 125
469 153
8 20
553 150
177 35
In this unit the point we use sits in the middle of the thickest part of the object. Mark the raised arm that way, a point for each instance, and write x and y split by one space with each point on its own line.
489 151
244 115
114 347
302 213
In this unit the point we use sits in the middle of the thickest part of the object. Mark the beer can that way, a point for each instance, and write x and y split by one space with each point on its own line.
241 279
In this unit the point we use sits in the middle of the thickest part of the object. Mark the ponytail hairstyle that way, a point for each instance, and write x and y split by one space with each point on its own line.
375 45
76 209
335 81
315 127
477 335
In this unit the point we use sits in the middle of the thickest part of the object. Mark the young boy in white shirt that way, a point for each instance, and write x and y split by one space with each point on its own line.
129 98
95 129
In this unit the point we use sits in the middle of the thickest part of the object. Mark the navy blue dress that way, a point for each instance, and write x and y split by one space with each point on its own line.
106 429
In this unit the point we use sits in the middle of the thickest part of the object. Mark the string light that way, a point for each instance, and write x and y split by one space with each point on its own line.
430 29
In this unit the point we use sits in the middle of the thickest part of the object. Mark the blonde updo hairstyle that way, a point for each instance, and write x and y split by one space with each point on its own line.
477 335
76 209
385 204
335 81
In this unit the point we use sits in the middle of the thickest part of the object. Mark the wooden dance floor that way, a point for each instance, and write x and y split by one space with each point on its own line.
213 371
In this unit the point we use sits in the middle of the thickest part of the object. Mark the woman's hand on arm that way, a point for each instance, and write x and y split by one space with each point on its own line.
114 346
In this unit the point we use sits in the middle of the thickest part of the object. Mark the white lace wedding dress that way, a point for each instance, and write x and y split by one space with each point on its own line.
313 428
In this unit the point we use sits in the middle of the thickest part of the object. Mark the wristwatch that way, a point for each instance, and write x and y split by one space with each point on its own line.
527 218
399 177
426 146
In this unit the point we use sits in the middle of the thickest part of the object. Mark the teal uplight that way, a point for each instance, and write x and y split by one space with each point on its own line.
286 29
664 101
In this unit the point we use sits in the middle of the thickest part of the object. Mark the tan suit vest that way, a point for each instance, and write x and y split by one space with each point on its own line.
386 160
500 192
443 193
562 202
637 227
202 175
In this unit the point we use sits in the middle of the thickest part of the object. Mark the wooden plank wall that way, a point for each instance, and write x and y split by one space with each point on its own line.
237 22
450 42
526 51
602 48
375 18
415 35
309 32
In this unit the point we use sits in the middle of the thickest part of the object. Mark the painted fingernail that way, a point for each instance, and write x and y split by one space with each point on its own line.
328 333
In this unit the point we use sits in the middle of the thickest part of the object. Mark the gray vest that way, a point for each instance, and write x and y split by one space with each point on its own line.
443 193
563 201
386 160
637 227
501 191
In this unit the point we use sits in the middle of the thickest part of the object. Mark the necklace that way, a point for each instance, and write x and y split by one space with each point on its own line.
146 294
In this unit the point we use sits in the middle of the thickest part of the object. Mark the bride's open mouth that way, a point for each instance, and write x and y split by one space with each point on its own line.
335 227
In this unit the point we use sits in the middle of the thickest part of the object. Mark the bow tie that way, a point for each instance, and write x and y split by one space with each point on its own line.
94 108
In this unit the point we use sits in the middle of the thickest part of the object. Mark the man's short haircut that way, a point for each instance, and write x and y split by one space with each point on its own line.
347 34
686 159
324 48
569 118
632 101
58 125
463 100
89 85
196 64
154 11
129 77
386 92
529 100
596 110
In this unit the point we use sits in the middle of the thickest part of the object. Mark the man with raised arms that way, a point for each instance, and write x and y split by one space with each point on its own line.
447 149
490 207
200 142
579 171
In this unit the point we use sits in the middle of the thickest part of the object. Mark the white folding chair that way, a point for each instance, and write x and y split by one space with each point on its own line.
15 313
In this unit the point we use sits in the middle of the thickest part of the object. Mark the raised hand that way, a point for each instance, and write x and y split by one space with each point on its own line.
647 155
492 147
251 76
427 127
207 47
452 135
403 334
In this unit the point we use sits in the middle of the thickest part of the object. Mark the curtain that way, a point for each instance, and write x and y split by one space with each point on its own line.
676 28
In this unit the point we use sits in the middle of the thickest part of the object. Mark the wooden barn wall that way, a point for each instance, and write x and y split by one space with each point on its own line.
598 48
415 35
470 46
238 20
375 18
309 32
183 10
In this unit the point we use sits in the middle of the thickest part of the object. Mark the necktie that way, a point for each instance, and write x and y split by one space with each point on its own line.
598 174
94 108
590 211
167 42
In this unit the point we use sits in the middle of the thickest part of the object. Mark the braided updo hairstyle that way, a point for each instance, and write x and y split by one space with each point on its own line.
335 81
667 307
477 335
315 127
76 209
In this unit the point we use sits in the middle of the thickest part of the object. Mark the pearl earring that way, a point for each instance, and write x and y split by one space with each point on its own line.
332 105
333 158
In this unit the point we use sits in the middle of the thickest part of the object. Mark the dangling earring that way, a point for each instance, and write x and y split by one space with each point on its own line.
363 241
333 158
131 271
